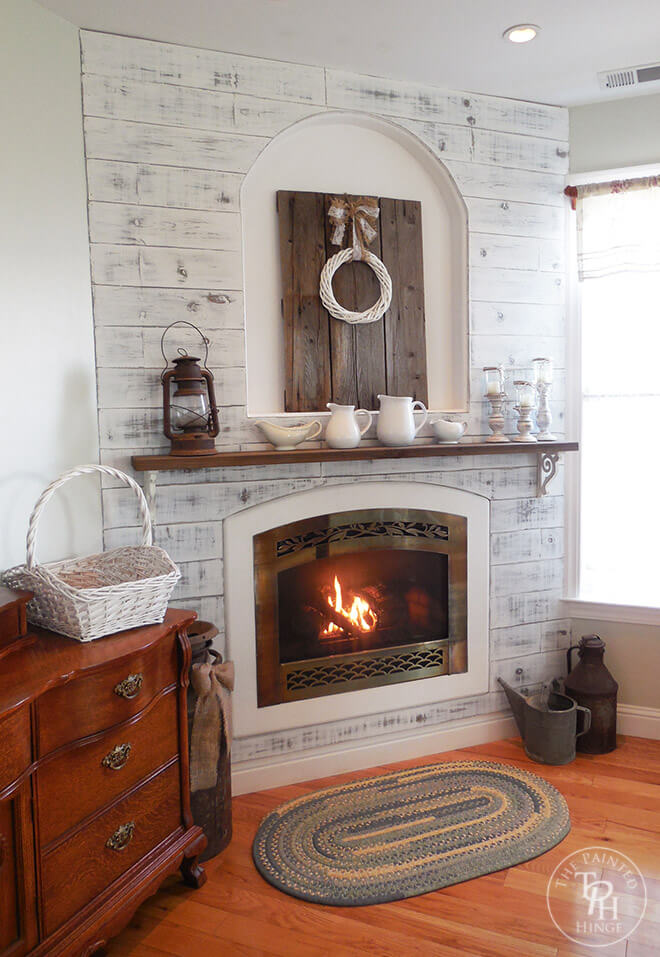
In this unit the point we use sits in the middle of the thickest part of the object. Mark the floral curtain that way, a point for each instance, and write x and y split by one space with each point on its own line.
618 227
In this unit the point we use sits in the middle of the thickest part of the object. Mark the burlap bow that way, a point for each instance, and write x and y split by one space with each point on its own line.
213 685
362 213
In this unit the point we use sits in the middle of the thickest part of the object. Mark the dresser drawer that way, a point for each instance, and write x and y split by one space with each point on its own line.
86 778
97 701
86 863
15 747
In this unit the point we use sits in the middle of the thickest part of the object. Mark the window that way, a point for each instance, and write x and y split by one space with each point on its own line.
619 272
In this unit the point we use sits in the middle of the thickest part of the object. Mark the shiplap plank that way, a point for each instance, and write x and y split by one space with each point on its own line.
536 669
143 428
194 109
126 388
521 577
509 252
479 180
148 61
127 224
377 467
187 542
555 635
517 319
142 306
199 579
447 142
115 265
515 219
418 101
521 609
170 146
516 285
200 503
146 184
512 515
514 642
522 152
133 347
514 351
532 544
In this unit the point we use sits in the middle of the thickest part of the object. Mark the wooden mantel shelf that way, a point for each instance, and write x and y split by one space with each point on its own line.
547 454
219 460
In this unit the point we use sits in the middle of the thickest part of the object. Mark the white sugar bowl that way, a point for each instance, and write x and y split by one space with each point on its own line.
448 432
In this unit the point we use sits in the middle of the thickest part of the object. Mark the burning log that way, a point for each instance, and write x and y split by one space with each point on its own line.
327 613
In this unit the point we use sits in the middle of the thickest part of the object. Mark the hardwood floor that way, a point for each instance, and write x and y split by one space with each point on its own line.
614 801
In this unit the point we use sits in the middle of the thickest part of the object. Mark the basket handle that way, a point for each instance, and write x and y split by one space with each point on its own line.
42 501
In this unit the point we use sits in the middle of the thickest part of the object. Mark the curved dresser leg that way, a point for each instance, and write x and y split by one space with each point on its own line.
192 872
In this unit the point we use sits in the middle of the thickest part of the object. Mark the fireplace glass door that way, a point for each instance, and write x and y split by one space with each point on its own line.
357 600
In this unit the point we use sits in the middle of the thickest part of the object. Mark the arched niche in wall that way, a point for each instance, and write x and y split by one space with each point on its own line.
343 152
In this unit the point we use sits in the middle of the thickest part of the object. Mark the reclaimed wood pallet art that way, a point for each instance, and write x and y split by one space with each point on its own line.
328 360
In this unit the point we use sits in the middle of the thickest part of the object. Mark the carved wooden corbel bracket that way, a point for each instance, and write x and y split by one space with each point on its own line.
546 471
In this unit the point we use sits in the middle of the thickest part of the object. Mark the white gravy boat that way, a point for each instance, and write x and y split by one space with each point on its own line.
446 431
287 437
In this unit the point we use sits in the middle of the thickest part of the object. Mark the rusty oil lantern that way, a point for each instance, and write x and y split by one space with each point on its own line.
190 414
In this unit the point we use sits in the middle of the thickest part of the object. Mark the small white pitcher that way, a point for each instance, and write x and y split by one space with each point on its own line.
343 430
396 422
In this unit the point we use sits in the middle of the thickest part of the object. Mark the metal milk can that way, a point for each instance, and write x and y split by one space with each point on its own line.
593 687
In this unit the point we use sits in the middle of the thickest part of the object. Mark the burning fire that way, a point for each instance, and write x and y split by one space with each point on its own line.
358 616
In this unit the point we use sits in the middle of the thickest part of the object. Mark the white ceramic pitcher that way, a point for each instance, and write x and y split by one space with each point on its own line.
343 430
396 422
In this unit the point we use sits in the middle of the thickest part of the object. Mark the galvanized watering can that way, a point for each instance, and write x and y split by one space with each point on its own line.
548 723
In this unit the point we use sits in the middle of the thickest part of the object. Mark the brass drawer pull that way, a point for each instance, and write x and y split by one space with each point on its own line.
117 758
122 837
130 686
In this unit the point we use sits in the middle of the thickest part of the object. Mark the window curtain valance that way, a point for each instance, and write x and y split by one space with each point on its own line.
618 227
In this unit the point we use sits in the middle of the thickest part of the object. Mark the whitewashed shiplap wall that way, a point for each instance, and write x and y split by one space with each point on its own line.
170 132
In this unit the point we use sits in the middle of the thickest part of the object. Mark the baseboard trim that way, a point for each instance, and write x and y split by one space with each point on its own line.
260 774
638 722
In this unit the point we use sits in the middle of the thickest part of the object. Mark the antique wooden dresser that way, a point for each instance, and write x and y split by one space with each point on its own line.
94 794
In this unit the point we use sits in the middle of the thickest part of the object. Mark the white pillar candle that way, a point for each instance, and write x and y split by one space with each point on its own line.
493 388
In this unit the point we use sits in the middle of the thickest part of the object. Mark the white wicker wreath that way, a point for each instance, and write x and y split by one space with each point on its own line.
379 308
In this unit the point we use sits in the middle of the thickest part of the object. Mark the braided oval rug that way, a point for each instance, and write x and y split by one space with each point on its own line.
408 832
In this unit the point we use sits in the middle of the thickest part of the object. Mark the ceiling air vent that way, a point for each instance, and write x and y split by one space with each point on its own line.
630 76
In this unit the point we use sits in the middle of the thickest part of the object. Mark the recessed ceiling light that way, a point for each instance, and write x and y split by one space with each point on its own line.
521 33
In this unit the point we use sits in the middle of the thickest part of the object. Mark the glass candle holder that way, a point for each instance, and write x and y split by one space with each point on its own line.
494 392
542 371
525 405
493 380
543 379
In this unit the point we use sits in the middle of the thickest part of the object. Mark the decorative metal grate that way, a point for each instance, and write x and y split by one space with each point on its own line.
356 530
367 668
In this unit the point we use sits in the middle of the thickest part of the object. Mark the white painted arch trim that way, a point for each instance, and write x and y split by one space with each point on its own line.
239 530
362 153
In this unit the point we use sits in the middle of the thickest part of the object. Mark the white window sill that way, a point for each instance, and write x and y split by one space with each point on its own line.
606 611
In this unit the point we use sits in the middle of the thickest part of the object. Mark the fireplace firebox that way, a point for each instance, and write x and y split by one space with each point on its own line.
359 599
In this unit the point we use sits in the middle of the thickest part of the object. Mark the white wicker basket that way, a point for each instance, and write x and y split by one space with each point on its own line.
87 598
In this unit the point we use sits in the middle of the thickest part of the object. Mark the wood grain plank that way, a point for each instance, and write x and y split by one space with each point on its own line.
405 331
147 184
197 109
116 265
144 306
170 146
147 61
358 352
307 342
128 224
421 101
